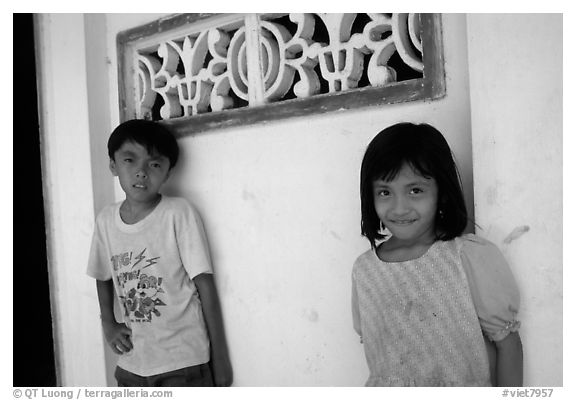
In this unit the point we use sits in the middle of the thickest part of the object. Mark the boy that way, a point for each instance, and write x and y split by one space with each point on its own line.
152 251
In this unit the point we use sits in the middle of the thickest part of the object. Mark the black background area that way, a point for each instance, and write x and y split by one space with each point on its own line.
33 346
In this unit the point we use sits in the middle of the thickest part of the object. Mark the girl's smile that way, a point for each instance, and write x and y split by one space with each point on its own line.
403 222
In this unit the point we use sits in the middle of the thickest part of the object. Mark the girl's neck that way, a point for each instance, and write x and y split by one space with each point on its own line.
397 250
132 212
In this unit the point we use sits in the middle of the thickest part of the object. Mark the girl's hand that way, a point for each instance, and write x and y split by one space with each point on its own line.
222 371
117 336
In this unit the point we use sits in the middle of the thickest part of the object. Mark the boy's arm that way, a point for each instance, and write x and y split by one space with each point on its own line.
117 335
509 361
222 369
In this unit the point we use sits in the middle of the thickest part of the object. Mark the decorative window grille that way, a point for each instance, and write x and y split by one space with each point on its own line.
197 72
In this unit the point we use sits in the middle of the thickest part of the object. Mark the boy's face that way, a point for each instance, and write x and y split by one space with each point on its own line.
140 173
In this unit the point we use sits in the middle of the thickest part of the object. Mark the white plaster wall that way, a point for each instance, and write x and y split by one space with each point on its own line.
516 101
282 212
279 200
68 193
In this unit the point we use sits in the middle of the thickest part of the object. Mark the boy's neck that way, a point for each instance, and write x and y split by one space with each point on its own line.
132 212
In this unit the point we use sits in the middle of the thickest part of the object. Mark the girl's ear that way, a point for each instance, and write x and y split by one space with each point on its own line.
441 206
112 167
442 201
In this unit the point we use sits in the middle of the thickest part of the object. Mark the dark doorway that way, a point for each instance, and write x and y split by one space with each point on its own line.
32 324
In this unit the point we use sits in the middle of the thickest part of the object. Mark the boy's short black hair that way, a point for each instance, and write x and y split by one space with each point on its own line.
149 134
425 149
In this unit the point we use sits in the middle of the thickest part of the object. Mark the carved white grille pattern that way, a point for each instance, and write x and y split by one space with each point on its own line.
271 58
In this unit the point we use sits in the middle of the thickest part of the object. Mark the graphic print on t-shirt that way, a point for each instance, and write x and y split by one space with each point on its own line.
139 289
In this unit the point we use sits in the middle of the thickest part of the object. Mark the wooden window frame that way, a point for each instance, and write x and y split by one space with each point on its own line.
431 86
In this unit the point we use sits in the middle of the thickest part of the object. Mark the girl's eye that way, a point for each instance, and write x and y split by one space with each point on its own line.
155 165
383 193
416 191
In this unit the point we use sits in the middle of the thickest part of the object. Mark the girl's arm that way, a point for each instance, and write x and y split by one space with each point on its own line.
509 361
221 367
117 335
491 350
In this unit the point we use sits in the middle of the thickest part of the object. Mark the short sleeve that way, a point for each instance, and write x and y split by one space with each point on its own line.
492 286
355 308
192 241
98 262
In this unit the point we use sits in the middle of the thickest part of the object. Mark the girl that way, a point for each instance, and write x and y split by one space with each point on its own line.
424 295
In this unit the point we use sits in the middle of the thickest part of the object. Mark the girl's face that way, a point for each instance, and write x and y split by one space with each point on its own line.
407 205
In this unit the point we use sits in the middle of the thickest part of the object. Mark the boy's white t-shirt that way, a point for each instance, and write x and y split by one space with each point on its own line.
152 264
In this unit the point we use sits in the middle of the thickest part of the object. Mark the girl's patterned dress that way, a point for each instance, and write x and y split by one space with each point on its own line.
421 321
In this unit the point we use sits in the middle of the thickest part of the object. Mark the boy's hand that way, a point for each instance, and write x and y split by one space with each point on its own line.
118 336
221 367
222 371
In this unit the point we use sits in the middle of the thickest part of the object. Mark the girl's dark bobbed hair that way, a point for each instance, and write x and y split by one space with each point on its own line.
425 149
149 134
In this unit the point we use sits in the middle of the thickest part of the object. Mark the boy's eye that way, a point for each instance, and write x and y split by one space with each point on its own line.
128 160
